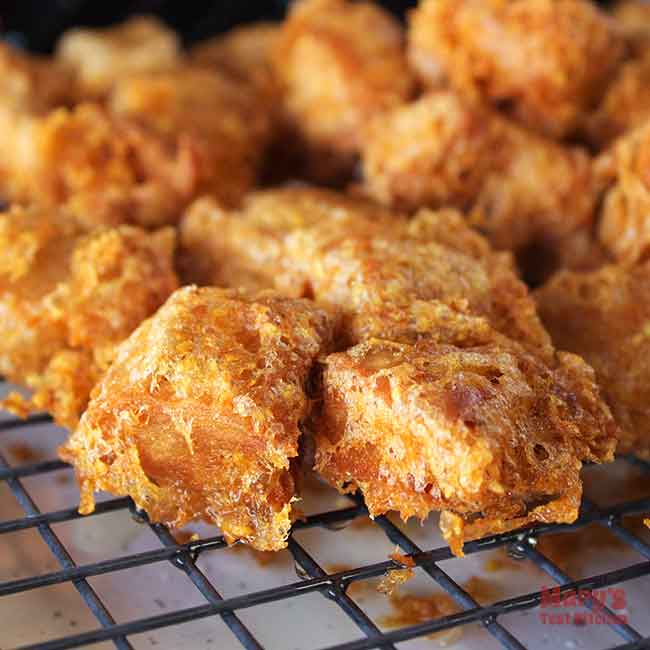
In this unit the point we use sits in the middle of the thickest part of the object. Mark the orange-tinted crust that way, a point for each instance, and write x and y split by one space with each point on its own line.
475 427
100 57
519 188
624 224
340 63
199 416
67 299
604 316
544 62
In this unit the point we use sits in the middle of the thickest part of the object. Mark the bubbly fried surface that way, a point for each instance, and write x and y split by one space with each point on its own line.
433 290
164 139
545 62
379 268
32 84
67 299
626 104
100 57
340 63
519 188
482 430
218 122
244 53
605 317
101 170
200 414
624 226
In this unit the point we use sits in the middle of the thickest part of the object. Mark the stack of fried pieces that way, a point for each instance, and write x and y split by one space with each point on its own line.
357 213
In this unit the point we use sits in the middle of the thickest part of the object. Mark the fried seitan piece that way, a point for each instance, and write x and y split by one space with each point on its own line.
543 62
624 225
340 63
32 84
476 427
164 139
244 53
519 188
100 57
200 415
626 104
67 299
380 268
219 121
604 316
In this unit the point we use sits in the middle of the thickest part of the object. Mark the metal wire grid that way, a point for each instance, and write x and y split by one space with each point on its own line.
313 577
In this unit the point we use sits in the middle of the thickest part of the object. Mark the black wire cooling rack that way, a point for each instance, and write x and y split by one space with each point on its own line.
313 577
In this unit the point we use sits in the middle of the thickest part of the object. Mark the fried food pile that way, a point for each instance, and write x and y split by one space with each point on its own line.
362 207
452 397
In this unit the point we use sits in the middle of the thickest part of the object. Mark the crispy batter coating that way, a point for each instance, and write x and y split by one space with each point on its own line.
218 120
381 269
100 57
626 103
544 62
605 317
244 53
430 287
199 416
633 17
67 299
479 429
519 188
99 169
165 139
624 226
340 63
32 84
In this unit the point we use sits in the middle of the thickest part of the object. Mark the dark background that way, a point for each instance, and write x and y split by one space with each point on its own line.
36 24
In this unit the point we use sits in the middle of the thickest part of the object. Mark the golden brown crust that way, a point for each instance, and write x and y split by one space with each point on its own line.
624 226
626 104
32 84
67 299
164 139
544 62
100 57
518 187
484 431
200 414
605 317
340 63
380 268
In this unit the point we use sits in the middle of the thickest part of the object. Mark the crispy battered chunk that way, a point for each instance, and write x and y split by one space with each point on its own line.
544 62
633 16
101 170
30 83
165 138
200 414
100 57
626 104
624 226
216 119
244 53
381 269
67 299
483 431
518 187
340 63
605 317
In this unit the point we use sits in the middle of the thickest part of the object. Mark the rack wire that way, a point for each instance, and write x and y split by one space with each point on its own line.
313 577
